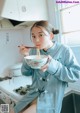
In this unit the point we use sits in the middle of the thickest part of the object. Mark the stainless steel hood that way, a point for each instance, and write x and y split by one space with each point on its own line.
22 13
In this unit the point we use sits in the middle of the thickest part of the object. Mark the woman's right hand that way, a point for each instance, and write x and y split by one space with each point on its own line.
24 50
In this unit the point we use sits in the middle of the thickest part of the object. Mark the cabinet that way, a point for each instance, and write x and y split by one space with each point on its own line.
71 103
25 10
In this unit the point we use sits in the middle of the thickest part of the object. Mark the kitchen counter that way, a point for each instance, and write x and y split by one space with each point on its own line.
73 88
70 90
8 86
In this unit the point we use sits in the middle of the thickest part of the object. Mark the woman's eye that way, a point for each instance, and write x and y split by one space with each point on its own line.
33 36
41 35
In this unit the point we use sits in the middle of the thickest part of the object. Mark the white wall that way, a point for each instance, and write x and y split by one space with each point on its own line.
9 52
27 37
53 17
51 12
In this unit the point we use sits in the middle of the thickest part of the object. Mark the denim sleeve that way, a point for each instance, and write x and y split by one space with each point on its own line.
26 100
26 70
69 71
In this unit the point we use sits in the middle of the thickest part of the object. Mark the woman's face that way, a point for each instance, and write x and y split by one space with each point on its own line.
41 38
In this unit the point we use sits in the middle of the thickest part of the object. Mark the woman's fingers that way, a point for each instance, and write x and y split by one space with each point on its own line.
45 67
23 50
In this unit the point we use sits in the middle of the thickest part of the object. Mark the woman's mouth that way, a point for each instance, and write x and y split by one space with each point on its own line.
38 45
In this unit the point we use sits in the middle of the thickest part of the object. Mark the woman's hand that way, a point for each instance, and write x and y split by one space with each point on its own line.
24 50
45 67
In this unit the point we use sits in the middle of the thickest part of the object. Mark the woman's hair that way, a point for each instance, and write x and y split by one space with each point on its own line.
46 25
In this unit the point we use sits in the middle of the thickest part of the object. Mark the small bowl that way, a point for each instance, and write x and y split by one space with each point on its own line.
34 62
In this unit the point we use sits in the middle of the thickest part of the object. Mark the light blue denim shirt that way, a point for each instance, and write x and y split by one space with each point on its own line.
48 87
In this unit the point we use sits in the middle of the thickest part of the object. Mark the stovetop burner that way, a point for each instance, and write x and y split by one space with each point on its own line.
22 90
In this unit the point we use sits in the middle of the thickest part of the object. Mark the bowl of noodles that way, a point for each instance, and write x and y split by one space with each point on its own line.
35 61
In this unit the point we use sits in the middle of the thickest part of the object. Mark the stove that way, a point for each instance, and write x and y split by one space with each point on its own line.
22 90
13 89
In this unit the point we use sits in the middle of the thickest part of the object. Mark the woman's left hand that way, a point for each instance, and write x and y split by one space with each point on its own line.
45 67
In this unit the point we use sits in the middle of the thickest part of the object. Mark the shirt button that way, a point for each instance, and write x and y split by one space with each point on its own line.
40 78
48 79
28 91
36 89
45 91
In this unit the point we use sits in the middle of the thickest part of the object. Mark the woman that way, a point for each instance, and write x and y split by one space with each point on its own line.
49 83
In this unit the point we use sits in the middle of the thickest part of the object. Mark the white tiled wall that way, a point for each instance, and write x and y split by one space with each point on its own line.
9 51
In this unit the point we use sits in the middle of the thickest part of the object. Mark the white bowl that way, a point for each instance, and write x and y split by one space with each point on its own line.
34 62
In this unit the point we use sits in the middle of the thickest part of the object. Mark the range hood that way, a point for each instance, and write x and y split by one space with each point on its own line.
12 24
22 13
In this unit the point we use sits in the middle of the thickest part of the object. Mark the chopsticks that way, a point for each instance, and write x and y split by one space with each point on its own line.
28 47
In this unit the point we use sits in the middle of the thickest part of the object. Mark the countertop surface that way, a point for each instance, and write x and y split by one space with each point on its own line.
8 86
73 88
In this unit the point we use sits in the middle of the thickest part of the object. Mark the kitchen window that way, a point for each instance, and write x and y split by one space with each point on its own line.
70 23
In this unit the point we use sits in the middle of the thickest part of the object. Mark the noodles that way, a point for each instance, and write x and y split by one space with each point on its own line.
38 53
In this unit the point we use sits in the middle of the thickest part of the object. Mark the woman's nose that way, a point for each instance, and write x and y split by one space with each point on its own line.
37 39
